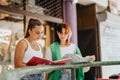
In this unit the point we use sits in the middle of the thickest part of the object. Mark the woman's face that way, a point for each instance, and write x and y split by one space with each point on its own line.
36 33
62 36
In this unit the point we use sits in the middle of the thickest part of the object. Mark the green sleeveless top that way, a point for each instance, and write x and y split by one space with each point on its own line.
54 75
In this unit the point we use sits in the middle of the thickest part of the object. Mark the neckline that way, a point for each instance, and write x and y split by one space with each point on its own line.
31 46
66 45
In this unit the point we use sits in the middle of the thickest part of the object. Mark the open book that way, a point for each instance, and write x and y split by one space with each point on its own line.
36 60
77 58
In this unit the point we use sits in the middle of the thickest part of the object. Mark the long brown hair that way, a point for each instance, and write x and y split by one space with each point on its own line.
67 31
31 24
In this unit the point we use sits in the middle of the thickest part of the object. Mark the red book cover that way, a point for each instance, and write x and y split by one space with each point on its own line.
36 60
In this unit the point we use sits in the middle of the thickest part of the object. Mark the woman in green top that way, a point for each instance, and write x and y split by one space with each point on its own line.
62 47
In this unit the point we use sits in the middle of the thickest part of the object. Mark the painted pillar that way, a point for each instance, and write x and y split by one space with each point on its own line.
70 17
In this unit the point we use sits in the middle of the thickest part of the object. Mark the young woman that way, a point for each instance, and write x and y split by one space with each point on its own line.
61 48
29 47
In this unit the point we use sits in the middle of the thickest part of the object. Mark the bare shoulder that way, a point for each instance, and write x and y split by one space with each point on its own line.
22 43
21 47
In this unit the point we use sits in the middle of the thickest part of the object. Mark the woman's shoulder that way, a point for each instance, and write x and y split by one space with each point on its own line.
55 44
72 44
22 42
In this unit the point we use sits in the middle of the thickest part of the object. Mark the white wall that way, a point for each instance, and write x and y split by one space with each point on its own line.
110 43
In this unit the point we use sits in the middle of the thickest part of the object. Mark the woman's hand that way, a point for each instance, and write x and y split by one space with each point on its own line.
92 58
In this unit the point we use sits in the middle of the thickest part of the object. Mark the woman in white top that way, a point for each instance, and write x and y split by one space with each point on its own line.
29 47
63 48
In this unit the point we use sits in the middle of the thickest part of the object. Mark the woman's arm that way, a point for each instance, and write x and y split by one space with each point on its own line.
91 59
86 69
19 54
85 59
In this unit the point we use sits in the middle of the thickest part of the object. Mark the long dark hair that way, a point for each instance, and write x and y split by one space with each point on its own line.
32 23
67 31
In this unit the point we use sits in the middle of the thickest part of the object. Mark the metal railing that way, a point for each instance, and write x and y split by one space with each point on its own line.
18 73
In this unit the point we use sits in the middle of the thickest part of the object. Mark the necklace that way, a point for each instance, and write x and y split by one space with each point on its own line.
63 45
33 44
